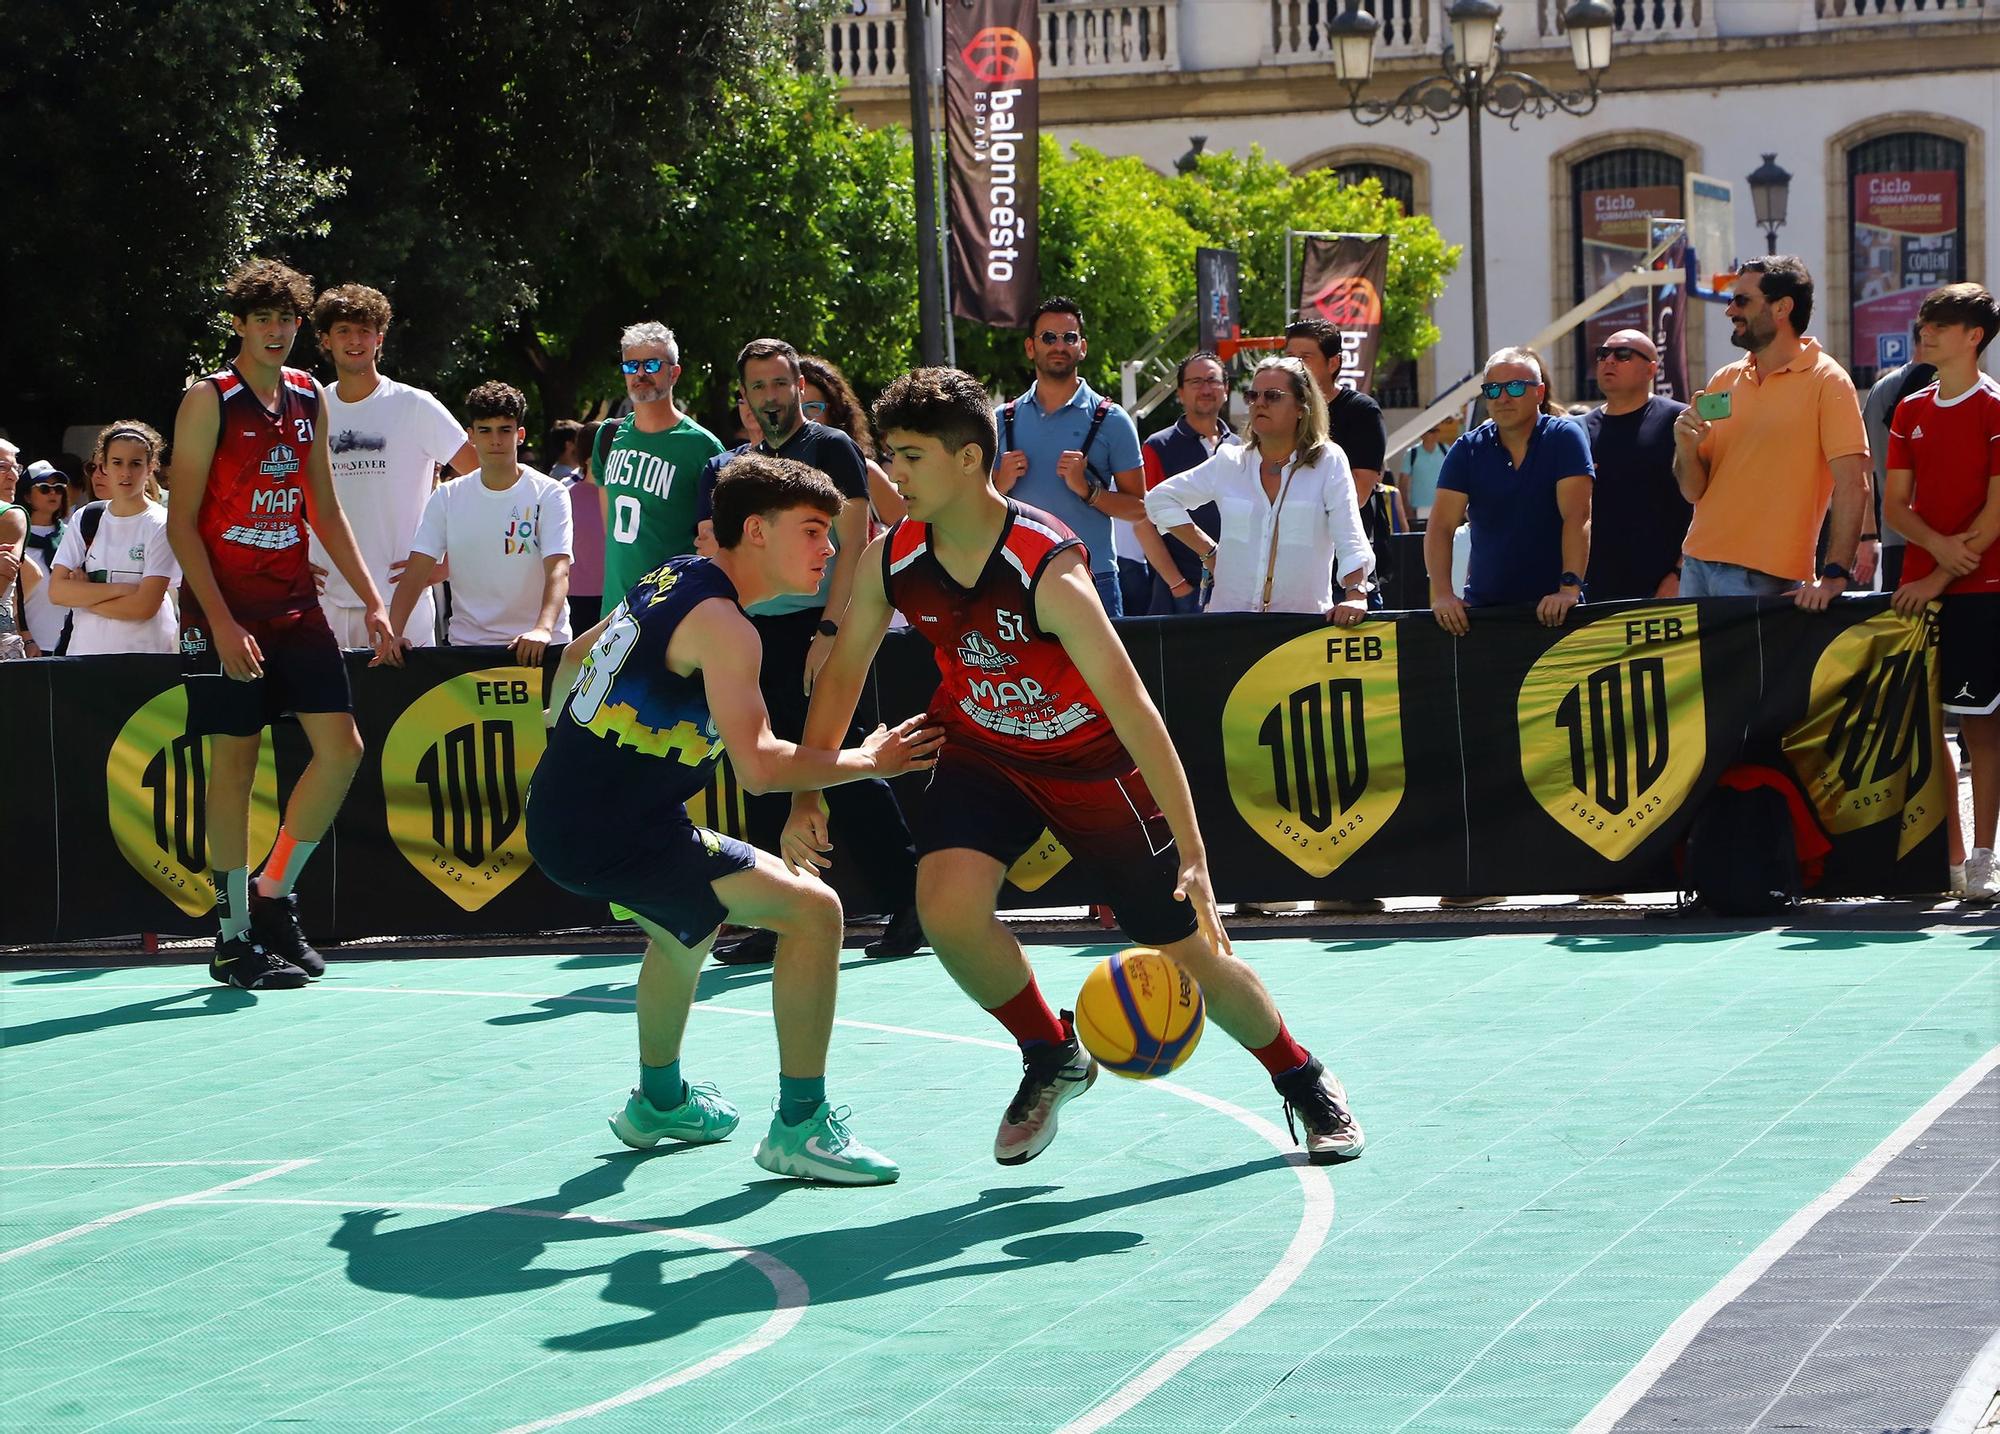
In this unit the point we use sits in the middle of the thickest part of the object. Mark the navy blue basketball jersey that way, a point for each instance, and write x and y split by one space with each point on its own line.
633 731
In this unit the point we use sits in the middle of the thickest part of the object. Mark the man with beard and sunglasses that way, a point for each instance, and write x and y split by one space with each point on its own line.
648 464
1638 518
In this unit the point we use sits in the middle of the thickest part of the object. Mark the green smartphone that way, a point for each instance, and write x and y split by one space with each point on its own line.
1711 406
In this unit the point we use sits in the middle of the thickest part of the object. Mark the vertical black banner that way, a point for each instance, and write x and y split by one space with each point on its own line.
1218 288
992 126
1344 280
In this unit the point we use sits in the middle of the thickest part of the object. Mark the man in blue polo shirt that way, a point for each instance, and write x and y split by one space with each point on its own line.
1525 477
1067 451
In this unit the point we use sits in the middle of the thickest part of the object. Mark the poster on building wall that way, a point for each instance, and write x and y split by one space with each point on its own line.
1344 279
1905 244
1617 229
992 128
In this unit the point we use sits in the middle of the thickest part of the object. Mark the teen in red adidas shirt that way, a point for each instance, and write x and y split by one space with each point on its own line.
250 472
1048 727
1942 492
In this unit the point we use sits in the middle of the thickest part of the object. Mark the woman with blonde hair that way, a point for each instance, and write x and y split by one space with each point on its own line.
1289 516
118 577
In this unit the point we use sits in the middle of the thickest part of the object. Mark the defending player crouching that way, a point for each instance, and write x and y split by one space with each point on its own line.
642 704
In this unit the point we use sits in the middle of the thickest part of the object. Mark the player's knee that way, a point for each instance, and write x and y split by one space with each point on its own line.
340 750
815 912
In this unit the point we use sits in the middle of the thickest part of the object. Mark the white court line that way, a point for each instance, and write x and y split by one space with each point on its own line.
105 1221
1680 1334
786 1284
140 1165
1315 1221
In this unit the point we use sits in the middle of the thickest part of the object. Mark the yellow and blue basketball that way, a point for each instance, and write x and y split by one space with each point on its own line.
1139 1013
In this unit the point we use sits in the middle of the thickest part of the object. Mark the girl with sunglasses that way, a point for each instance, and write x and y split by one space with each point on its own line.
13 539
47 501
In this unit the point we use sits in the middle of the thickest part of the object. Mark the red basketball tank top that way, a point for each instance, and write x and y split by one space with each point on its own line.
253 512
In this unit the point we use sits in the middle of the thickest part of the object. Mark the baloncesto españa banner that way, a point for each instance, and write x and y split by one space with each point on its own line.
1388 759
1343 281
992 128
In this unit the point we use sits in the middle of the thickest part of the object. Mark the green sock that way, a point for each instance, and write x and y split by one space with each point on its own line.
232 901
799 1097
662 1085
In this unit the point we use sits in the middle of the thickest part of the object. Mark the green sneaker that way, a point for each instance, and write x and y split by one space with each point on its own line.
702 1119
821 1148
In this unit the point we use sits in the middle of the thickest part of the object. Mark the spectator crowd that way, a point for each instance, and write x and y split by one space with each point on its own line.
1779 480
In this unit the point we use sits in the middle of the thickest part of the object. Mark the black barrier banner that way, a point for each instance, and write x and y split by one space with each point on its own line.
1343 281
1388 759
1218 290
992 129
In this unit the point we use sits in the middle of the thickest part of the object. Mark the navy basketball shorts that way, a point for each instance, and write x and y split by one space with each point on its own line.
1969 652
659 867
1110 826
303 672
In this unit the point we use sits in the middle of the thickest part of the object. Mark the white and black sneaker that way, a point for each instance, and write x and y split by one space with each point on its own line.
1050 1077
241 962
1319 1100
274 922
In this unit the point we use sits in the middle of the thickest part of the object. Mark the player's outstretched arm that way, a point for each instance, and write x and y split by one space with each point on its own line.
1067 607
717 638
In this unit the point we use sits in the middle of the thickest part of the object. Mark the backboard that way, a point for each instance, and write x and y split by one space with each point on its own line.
1711 208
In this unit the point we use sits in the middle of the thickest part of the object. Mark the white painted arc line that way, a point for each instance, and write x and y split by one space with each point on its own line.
1974 1395
1315 1221
140 1165
787 1286
1681 1333
105 1221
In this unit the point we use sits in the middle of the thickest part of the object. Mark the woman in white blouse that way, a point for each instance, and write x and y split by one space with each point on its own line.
1289 516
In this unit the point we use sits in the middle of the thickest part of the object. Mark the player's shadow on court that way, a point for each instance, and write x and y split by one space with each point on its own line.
493 1252
216 1002
617 997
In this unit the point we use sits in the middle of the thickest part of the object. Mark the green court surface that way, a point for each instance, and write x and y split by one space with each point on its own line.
391 1202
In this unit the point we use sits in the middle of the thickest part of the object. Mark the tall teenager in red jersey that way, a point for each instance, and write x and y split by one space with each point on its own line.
1942 492
250 471
1047 726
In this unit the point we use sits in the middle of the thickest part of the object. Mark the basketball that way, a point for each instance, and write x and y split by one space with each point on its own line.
1139 1013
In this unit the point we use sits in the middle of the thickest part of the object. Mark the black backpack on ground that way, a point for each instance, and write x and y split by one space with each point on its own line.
1741 856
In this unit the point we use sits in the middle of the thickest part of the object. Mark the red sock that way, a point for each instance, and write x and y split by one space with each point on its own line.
1027 1017
1283 1054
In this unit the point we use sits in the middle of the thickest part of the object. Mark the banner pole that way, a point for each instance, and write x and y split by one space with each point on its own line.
944 264
917 64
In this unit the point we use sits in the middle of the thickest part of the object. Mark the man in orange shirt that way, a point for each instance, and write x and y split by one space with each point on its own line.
1761 478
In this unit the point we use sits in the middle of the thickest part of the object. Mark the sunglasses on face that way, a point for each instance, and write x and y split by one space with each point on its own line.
1266 395
651 365
1067 336
1623 354
1513 388
51 488
1739 301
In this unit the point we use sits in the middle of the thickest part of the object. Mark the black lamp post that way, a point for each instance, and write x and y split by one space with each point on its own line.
1191 161
1770 196
1473 80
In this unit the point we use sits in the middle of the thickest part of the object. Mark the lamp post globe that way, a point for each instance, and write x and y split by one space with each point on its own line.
1353 33
1770 197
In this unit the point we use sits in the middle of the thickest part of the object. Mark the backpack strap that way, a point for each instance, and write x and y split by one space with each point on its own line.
88 518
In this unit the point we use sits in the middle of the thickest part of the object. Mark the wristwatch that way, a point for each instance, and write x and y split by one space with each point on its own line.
1571 580
1090 491
1835 570
827 627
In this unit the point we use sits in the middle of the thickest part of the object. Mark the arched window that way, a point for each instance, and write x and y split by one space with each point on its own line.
1397 387
1614 196
1906 236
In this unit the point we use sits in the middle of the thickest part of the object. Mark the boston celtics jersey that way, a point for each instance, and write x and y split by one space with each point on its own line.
651 484
635 737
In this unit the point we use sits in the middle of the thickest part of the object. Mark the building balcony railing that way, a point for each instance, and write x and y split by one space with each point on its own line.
1894 12
1640 20
1077 37
1299 28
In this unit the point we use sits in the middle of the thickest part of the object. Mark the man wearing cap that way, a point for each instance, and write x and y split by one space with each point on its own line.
1638 517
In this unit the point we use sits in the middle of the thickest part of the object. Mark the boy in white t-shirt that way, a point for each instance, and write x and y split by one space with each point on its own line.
506 533
118 579
386 442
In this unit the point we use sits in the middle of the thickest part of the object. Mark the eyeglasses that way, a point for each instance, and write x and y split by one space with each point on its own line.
1067 336
1206 383
1513 387
813 407
1266 395
651 365
51 487
1623 353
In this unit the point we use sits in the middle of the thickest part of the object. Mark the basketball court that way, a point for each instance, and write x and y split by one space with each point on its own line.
1644 1181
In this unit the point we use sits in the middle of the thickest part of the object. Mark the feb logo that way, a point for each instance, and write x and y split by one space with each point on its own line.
1312 741
156 788
1349 303
999 55
1613 726
1868 749
455 772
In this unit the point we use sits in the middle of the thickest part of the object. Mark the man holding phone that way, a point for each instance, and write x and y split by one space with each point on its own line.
1775 438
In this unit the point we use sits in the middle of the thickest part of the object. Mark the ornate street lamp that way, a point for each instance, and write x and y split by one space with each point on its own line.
1473 80
1770 196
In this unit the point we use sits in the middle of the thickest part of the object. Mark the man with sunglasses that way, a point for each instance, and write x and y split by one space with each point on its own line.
648 464
1075 455
1638 518
1525 477
1761 479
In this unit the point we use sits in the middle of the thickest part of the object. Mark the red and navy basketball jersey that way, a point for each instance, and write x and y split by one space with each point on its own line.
253 513
1009 691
